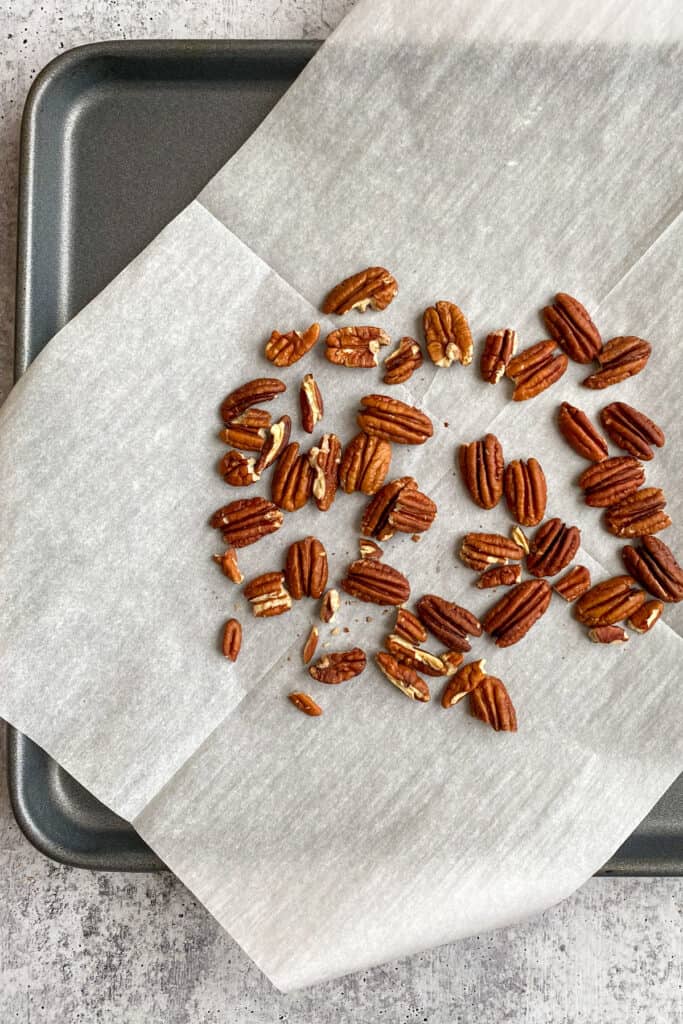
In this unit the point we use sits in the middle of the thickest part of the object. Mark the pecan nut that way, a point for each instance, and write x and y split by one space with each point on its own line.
452 660
607 482
237 470
402 363
535 369
640 514
229 566
375 521
574 583
232 639
515 613
304 702
608 635
655 567
338 667
374 287
631 430
610 601
324 462
355 346
643 619
375 582
392 420
490 703
482 550
364 464
329 606
262 389
402 676
409 627
368 549
292 481
246 521
408 653
310 403
248 430
306 568
481 468
398 507
310 645
500 576
519 537
526 492
447 334
268 595
467 678
287 349
569 323
553 547
499 348
620 359
275 442
580 434
449 622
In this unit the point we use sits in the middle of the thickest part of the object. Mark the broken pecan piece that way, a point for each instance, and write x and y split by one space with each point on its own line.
364 464
553 547
607 482
580 434
262 389
292 481
374 287
640 514
392 420
499 348
654 566
310 403
449 622
574 583
643 619
232 639
268 595
535 369
620 358
287 349
481 468
324 462
306 568
375 582
409 627
338 667
608 602
490 703
402 363
526 493
304 702
247 431
237 470
447 334
500 576
368 549
519 537
355 346
631 430
405 678
229 566
275 442
570 325
329 606
246 521
515 613
408 653
467 678
481 550
608 635
310 645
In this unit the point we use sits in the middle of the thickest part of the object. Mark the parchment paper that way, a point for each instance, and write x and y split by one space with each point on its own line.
485 157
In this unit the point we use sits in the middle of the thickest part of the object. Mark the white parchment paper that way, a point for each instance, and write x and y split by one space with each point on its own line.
490 154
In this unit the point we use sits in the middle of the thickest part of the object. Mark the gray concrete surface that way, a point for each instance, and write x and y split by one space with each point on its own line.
85 947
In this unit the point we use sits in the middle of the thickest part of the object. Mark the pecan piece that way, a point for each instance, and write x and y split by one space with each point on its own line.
364 464
452 660
449 622
262 389
515 613
481 550
355 346
481 468
338 667
490 703
500 576
398 506
407 653
275 442
368 549
304 702
232 639
329 606
405 678
292 481
467 678
447 334
229 566
374 287
248 430
246 521
287 349
324 461
574 583
608 602
392 420
409 627
237 470
499 348
268 595
375 521
620 358
643 619
640 514
631 430
570 325
306 568
553 547
310 645
580 434
607 482
519 537
654 566
311 403
402 363
526 492
608 635
375 582
535 369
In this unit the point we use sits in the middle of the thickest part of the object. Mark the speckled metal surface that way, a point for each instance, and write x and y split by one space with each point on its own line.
90 947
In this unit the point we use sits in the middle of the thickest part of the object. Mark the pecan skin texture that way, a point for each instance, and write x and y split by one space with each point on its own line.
229 566
631 430
580 434
287 349
620 359
324 462
292 481
644 618
500 576
262 389
232 639
274 443
407 653
608 635
449 622
247 432
337 668
526 492
481 468
499 348
608 482
553 547
640 514
490 703
447 334
482 550
306 568
535 369
268 595
402 363
374 287
237 470
655 567
403 677
355 346
467 678
304 702
392 420
610 601
376 583
246 521
569 323
364 464
516 611
310 645
311 403
409 627
574 583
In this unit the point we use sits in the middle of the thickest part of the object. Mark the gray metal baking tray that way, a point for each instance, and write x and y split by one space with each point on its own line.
117 138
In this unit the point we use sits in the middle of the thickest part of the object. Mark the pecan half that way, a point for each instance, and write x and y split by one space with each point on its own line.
324 462
500 576
574 583
246 521
247 431
374 287
620 358
368 549
408 653
304 702
608 635
329 606
607 482
631 430
364 464
402 676
310 403
355 346
338 667
268 595
275 442
292 481
375 521
499 348
229 566
490 703
608 602
409 627
375 582
262 389
449 622
535 369
580 434
447 334
402 363
640 514
481 468
643 619
655 567
232 639
310 645
526 492
398 507
237 470
482 550
287 349
306 568
467 678
515 613
553 547
392 420
570 325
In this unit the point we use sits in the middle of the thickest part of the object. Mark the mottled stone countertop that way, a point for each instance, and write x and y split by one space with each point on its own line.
87 947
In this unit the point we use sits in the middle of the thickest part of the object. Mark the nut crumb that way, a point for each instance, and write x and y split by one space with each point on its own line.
415 537
346 629
336 631
446 423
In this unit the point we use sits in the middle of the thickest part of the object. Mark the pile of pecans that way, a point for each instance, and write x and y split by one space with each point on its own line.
399 506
